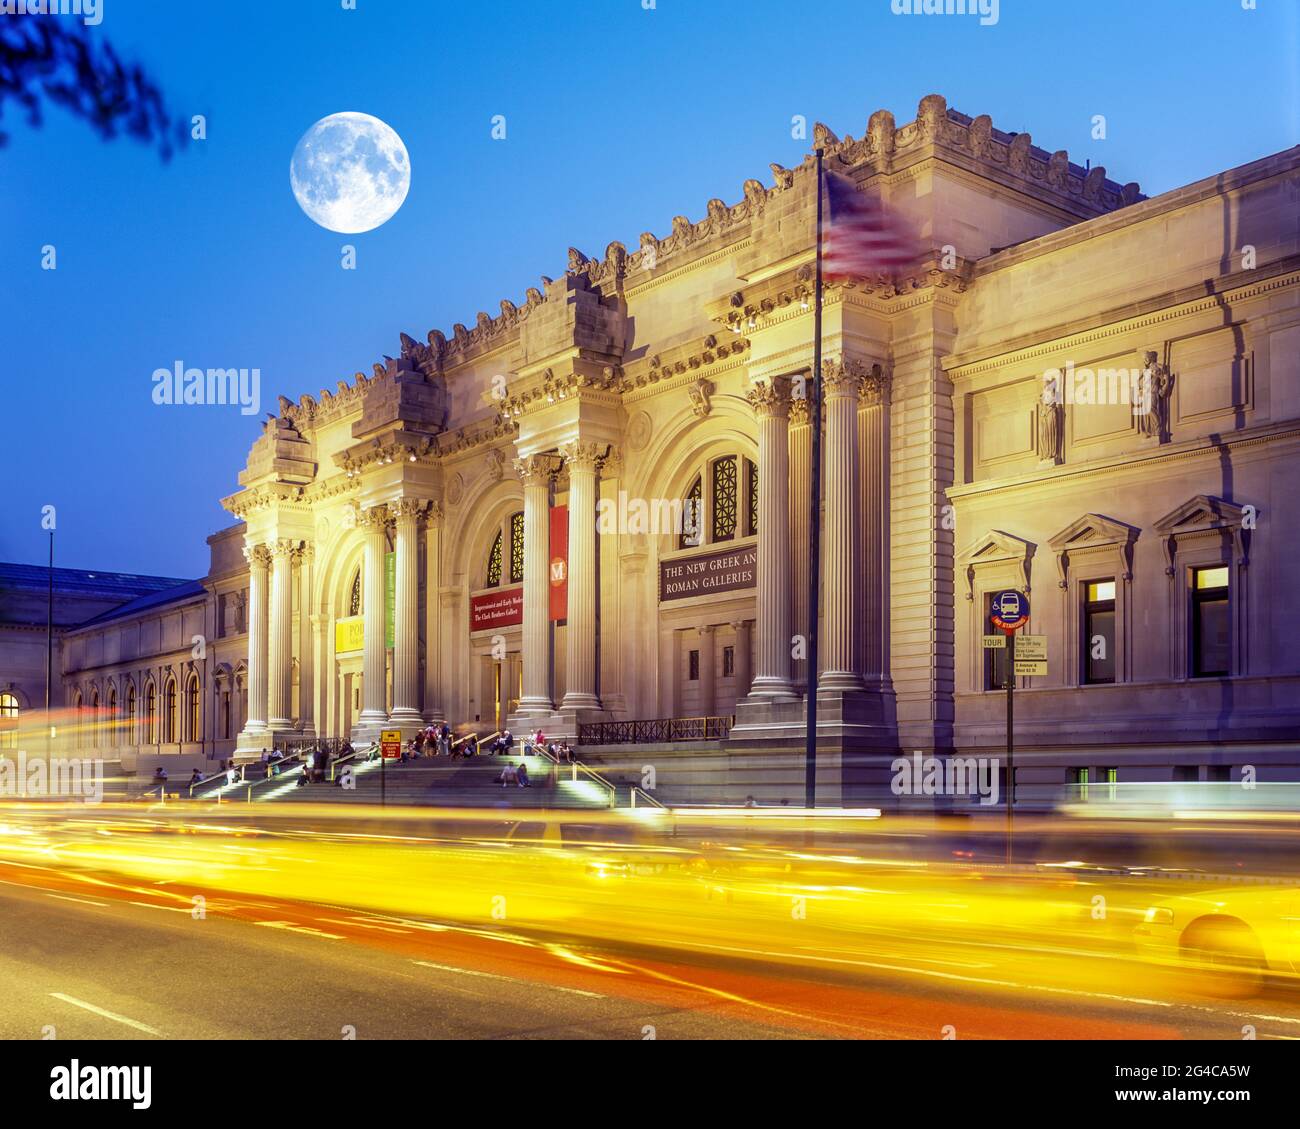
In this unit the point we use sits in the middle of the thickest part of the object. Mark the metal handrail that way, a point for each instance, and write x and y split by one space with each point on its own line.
645 796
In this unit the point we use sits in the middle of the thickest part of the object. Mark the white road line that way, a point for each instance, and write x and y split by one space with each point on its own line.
69 898
292 928
165 909
107 1014
364 925
510 979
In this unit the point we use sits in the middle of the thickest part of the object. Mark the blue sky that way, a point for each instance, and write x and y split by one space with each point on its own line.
617 119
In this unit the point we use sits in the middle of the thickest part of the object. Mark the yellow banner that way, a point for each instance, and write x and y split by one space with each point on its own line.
349 634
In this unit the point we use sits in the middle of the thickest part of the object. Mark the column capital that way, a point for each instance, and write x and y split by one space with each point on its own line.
770 397
305 553
848 376
583 455
282 548
407 510
374 519
536 470
257 556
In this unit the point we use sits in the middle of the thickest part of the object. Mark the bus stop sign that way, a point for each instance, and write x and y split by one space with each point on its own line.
1010 610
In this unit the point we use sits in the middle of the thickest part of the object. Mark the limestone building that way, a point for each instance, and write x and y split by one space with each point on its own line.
591 507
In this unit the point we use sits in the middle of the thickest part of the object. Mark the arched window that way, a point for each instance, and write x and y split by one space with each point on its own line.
192 708
79 720
131 719
114 724
354 600
693 516
94 717
150 715
494 563
517 548
8 721
721 503
513 529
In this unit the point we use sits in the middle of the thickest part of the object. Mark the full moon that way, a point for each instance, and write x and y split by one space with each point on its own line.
350 172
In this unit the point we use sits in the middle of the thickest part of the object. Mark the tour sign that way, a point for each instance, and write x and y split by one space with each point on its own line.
1010 610
390 744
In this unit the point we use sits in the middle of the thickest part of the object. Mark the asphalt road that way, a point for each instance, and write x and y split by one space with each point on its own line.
134 962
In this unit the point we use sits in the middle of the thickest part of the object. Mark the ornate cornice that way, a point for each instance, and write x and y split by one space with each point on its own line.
550 387
681 360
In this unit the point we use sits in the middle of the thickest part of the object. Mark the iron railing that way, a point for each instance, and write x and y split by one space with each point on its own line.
656 729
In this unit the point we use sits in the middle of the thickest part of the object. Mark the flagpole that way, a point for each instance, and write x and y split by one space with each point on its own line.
815 516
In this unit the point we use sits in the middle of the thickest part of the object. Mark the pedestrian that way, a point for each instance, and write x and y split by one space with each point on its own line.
521 776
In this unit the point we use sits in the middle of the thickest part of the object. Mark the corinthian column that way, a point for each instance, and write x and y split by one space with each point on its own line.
536 472
582 460
306 643
841 669
771 403
374 706
255 731
433 616
406 632
279 667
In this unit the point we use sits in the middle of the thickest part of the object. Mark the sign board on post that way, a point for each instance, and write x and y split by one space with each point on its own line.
1031 647
994 642
390 744
1030 668
1010 610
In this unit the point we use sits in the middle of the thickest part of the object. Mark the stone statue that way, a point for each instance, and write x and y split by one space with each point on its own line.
1050 421
1156 387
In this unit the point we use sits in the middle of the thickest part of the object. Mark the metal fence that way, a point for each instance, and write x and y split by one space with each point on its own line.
655 729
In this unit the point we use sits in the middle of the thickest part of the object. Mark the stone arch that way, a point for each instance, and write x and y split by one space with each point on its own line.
480 517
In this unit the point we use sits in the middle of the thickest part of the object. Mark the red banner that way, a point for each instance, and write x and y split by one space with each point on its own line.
496 609
558 567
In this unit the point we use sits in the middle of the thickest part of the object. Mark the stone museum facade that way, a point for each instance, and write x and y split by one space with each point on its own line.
591 507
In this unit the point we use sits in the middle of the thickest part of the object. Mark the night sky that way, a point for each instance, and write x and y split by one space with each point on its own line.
617 119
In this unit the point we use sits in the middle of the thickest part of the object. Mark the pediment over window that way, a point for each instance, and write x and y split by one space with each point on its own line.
1199 514
997 547
1094 531
1202 515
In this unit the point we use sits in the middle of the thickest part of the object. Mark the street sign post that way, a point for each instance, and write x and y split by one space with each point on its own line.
1009 612
390 748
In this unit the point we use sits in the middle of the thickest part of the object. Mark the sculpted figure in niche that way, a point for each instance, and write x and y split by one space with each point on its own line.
1156 386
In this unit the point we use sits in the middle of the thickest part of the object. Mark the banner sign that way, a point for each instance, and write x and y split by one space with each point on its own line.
390 598
705 575
349 634
558 567
496 609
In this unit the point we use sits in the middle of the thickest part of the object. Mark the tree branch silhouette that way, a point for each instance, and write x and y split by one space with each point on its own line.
51 60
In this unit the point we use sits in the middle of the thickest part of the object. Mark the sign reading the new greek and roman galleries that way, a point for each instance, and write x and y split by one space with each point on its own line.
496 609
684 577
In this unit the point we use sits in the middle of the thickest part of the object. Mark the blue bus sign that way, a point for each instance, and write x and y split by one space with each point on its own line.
1010 610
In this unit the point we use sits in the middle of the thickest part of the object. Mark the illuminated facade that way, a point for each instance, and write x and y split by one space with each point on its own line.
398 558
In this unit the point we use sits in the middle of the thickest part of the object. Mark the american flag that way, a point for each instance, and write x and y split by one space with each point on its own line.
861 239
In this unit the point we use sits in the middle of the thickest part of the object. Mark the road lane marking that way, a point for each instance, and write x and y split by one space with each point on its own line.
107 1014
354 922
69 898
510 979
308 929
165 909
